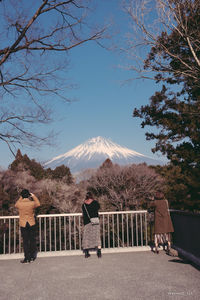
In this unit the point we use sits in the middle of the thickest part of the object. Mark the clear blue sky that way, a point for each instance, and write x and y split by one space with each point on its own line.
104 107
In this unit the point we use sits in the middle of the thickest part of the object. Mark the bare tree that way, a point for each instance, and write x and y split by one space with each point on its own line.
52 193
153 20
124 188
85 175
35 38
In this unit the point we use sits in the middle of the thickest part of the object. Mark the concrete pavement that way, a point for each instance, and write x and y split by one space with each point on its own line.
117 276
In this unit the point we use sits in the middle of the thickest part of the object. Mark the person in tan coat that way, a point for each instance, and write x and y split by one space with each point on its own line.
163 226
26 206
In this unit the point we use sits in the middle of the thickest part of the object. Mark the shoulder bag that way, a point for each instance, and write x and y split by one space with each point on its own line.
94 221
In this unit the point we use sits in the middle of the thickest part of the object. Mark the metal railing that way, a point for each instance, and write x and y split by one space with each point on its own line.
186 238
58 232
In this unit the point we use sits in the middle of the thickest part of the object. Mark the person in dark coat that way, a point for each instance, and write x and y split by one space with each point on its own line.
163 226
91 234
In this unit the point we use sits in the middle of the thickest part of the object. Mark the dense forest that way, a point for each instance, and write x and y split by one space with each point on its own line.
115 187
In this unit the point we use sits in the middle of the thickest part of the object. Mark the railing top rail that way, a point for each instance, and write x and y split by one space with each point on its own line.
60 215
123 212
185 213
100 213
80 214
9 217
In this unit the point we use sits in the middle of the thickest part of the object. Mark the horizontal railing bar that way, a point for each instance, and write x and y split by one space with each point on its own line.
9 217
80 214
59 215
123 212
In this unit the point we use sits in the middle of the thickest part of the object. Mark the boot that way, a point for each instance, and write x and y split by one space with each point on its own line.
156 250
99 253
87 254
25 261
168 249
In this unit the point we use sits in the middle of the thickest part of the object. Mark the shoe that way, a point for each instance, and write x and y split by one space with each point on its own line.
25 261
99 253
87 254
168 250
165 247
32 259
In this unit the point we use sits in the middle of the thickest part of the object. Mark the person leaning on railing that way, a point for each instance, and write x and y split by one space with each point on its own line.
163 226
26 206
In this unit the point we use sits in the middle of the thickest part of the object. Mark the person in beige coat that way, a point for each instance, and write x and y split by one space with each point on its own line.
26 206
163 226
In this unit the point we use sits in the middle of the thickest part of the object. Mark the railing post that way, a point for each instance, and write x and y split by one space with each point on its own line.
113 229
136 220
79 229
14 235
60 233
118 230
146 228
132 236
40 237
70 240
49 233
122 230
108 218
45 235
65 234
4 237
141 230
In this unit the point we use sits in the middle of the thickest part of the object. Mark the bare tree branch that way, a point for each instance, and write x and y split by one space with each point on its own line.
35 38
151 18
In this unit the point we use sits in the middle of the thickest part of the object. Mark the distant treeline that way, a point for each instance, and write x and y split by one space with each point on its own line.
115 187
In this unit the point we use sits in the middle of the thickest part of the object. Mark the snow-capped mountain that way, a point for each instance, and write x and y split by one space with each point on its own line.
94 152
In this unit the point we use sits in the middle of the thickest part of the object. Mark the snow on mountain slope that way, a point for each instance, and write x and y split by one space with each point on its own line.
94 152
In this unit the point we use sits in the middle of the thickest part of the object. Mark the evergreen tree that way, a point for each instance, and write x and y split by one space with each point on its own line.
174 111
106 164
23 163
62 173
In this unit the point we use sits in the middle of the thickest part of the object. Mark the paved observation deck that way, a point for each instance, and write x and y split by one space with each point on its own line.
123 276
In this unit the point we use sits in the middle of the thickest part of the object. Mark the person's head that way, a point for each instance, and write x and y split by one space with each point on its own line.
159 195
25 193
89 196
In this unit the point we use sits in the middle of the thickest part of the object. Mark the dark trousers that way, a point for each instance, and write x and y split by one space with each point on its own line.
29 241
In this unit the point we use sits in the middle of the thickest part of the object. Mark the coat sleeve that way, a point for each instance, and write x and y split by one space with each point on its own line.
83 210
151 205
97 205
36 200
17 203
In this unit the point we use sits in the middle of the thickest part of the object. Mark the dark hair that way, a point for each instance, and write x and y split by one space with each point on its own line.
89 196
159 195
25 193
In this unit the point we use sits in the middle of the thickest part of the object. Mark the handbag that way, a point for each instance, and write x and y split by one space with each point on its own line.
151 214
95 220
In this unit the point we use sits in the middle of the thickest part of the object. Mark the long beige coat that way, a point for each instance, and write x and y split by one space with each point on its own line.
163 223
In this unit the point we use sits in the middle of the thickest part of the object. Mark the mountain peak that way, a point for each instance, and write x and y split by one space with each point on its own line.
94 152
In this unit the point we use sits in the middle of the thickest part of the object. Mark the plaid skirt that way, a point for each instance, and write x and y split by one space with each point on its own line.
91 237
